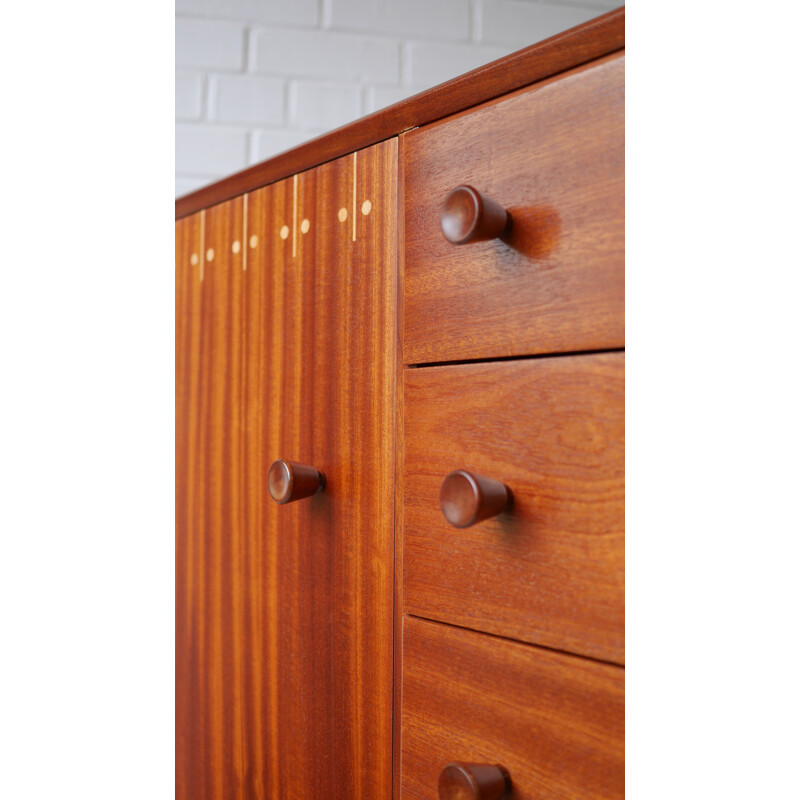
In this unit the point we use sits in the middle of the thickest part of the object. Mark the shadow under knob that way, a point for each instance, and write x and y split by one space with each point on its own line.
468 216
473 782
466 498
289 481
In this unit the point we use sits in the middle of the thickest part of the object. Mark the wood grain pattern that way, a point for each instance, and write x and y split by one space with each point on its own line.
579 45
398 489
188 316
284 613
550 571
554 157
555 722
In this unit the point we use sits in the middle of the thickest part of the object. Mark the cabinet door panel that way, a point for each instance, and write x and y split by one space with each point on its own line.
285 628
209 731
188 494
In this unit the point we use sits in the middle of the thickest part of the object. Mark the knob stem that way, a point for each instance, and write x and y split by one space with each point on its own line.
289 481
469 216
466 498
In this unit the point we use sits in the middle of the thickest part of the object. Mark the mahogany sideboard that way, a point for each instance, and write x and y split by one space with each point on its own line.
400 449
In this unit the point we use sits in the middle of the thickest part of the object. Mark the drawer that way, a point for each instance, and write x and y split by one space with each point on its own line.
553 156
551 570
554 722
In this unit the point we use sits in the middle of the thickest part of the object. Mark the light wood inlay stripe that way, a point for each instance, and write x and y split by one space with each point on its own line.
355 174
294 217
202 244
244 233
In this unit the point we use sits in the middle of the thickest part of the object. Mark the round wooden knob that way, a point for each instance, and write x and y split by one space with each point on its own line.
289 481
467 498
469 216
473 782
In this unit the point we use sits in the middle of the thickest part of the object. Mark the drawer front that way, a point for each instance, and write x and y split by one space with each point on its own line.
554 722
551 570
554 157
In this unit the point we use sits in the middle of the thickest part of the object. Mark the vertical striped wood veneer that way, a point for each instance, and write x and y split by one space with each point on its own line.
284 613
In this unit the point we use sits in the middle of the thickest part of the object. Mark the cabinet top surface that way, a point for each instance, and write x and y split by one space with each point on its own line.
579 45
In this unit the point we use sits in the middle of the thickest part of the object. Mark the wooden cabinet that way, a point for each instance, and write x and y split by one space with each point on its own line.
353 643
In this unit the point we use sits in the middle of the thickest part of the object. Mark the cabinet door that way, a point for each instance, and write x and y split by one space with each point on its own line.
286 349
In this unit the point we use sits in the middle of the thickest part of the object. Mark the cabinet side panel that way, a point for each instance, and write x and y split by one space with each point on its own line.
188 490
210 730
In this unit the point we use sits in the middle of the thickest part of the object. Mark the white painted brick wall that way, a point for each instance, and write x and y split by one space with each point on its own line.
508 22
248 99
209 44
377 97
289 12
189 93
447 20
325 106
429 63
326 54
256 77
210 150
267 143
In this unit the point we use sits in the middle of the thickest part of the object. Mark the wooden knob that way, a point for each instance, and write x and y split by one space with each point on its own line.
473 782
469 216
289 481
467 498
